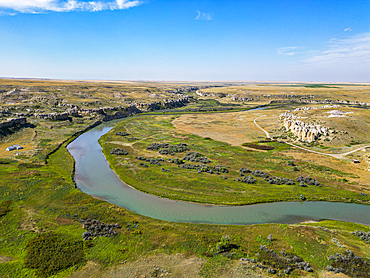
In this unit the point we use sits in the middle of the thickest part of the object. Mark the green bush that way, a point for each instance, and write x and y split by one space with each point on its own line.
51 252
4 207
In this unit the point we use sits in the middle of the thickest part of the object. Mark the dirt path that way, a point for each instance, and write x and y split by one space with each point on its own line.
267 134
335 155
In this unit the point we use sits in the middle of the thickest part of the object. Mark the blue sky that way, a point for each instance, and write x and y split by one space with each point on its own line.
262 40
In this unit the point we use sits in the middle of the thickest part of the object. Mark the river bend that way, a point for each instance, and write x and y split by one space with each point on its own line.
93 176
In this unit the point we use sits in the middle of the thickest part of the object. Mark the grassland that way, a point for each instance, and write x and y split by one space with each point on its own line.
44 200
268 92
189 185
37 194
238 128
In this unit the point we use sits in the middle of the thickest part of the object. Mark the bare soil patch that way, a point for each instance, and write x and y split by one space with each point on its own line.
233 128
5 259
64 221
29 222
163 265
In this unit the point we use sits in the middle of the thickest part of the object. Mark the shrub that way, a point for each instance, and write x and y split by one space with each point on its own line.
247 179
196 157
119 151
52 252
224 244
349 264
4 207
122 133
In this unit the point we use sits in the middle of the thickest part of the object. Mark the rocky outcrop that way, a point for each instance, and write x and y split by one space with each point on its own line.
187 89
112 113
53 116
307 132
236 98
210 94
307 108
287 96
13 122
324 101
125 112
164 104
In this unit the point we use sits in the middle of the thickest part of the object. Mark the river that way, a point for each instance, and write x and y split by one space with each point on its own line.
93 176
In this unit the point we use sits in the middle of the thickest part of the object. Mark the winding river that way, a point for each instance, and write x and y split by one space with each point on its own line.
94 177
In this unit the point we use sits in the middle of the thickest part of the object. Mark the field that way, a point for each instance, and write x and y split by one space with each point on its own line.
44 200
222 188
39 202
238 128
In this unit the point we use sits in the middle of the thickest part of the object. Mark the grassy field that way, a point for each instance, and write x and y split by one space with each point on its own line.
238 128
266 92
39 203
171 181
44 200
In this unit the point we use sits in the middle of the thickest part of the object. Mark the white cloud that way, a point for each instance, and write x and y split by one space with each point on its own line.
348 29
124 4
289 50
341 60
37 6
344 51
204 16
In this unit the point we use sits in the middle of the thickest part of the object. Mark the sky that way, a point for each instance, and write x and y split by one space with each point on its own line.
178 40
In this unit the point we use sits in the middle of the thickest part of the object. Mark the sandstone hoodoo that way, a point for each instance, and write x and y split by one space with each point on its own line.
307 132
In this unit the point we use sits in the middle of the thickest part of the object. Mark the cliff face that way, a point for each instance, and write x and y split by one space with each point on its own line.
307 132
165 104
12 122
53 116
106 112
129 111
324 101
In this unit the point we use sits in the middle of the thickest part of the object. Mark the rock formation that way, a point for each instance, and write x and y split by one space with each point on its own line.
12 122
307 132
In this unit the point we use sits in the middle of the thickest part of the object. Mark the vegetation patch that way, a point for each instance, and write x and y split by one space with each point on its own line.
122 133
118 151
201 168
4 207
95 228
52 252
278 263
166 148
349 264
153 161
365 236
258 147
196 157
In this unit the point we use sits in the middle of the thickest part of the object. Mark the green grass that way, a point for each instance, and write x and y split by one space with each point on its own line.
188 185
41 196
51 252
42 199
